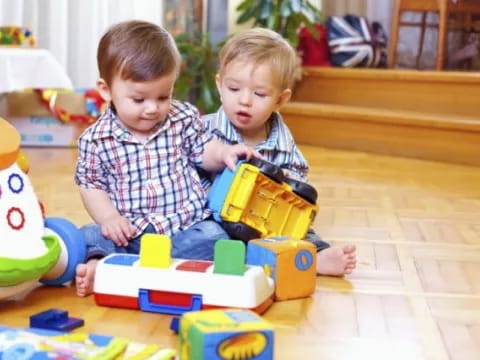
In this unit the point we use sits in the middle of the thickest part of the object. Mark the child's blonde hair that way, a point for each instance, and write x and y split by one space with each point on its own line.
136 50
260 45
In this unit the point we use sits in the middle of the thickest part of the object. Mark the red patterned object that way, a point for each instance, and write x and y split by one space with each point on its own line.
93 103
314 52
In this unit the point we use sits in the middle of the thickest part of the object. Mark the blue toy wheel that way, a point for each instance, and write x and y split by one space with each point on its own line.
74 242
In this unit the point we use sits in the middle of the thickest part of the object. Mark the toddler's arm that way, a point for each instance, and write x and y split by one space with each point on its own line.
295 165
101 209
218 155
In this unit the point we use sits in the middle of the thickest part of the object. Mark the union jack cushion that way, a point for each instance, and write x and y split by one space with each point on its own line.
353 42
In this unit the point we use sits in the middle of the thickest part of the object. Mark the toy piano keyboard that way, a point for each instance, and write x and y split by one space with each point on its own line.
154 282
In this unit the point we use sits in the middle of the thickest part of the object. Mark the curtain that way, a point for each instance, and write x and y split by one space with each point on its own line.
342 7
71 29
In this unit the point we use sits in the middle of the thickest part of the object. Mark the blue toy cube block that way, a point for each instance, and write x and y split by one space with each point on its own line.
225 334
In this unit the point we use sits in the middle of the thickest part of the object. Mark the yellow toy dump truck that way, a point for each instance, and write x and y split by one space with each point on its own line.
257 201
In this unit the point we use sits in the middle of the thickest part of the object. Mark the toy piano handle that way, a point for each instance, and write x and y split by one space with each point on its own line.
147 305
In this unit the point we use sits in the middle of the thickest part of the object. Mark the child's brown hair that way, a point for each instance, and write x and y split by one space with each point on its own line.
260 45
136 50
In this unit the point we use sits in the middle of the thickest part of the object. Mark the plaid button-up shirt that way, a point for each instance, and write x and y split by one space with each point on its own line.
279 148
155 181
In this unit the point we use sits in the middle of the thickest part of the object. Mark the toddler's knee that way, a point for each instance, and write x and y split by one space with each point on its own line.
213 231
92 233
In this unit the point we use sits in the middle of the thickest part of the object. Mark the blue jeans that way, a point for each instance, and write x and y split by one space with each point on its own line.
316 240
197 242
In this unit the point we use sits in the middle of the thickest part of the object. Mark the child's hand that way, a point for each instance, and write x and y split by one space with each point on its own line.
118 229
233 153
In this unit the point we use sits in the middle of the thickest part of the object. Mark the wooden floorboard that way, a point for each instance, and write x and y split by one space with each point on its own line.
414 295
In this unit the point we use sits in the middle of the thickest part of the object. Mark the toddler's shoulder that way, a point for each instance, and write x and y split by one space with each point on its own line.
207 119
90 132
180 110
86 135
283 130
99 129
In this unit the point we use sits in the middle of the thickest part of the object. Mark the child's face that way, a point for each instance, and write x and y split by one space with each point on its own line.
249 96
142 105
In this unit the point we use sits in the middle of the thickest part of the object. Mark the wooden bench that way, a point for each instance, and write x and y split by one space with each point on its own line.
405 113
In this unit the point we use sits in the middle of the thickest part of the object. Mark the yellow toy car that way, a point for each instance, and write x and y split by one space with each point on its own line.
258 201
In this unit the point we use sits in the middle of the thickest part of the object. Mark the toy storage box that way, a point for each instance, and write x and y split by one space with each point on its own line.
36 125
46 131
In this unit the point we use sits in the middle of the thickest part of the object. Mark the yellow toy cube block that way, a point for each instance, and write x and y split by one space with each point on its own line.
291 263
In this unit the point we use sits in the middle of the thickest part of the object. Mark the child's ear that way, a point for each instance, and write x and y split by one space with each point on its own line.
104 90
218 82
284 97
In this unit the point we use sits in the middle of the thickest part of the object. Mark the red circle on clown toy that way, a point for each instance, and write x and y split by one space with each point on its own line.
15 218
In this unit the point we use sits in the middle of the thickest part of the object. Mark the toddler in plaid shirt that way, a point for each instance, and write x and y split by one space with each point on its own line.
137 165
256 75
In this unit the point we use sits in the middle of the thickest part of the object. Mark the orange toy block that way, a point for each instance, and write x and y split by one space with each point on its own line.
291 263
10 144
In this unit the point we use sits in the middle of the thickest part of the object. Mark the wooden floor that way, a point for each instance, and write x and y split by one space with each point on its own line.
414 295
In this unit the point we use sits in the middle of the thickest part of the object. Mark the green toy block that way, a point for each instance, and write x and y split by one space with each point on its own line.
229 257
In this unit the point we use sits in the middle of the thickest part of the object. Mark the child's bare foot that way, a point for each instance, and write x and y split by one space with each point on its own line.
85 274
337 261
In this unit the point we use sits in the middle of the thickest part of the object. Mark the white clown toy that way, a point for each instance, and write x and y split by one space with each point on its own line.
32 248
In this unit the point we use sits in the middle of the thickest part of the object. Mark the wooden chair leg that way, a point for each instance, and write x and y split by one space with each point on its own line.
467 30
442 36
392 49
423 26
